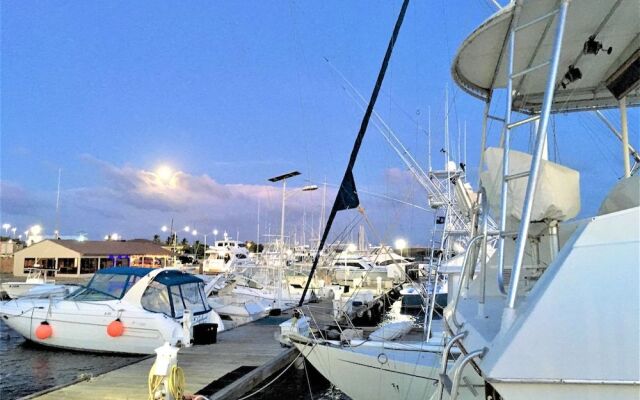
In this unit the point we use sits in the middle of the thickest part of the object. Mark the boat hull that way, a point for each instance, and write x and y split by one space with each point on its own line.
83 326
375 372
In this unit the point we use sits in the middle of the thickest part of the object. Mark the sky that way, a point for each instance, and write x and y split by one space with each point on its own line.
229 94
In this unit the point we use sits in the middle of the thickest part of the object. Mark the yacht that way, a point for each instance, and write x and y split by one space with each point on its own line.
121 310
555 312
226 255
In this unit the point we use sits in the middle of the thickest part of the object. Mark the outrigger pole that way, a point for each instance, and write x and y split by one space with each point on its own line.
347 196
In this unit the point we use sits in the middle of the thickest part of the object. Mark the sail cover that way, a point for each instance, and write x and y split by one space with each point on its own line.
480 64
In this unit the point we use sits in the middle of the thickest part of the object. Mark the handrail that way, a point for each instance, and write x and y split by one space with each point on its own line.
462 276
457 375
445 359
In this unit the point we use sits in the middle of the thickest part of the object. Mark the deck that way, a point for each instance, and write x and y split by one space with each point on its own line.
251 345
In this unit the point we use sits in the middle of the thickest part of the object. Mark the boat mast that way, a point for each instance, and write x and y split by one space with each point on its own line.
347 197
58 206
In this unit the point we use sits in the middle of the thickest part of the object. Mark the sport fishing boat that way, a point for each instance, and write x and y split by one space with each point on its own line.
121 310
555 312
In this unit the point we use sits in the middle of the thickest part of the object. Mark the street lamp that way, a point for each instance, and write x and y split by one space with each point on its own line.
284 178
215 235
6 228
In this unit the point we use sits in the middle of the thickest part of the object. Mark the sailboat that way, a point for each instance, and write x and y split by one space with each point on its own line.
396 361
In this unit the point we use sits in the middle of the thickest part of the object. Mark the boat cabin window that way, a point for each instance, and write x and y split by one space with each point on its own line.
173 300
241 256
355 265
156 299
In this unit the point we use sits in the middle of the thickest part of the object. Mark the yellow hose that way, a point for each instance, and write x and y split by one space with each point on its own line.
175 383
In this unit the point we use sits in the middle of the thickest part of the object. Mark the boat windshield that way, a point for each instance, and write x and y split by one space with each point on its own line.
104 287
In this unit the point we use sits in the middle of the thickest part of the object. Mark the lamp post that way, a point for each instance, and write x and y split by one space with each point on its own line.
284 178
6 228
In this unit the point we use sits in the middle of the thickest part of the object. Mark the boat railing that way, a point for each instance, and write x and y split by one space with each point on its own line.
341 320
464 274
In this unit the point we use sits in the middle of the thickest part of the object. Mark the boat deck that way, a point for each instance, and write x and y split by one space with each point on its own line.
252 345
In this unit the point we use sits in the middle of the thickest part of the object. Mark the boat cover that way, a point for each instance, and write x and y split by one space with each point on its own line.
557 194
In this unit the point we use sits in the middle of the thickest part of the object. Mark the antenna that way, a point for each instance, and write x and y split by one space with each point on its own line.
465 142
58 206
429 140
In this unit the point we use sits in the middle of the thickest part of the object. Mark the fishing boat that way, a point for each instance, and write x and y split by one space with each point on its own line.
121 310
36 284
555 312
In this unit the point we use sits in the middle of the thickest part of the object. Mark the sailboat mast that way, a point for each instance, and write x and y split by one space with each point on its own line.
347 196
58 205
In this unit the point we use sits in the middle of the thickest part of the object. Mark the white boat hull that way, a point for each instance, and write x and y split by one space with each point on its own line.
83 325
376 372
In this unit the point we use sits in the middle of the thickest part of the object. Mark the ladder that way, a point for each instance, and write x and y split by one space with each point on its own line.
541 119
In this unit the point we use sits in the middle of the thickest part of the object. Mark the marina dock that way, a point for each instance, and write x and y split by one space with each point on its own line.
246 355
242 359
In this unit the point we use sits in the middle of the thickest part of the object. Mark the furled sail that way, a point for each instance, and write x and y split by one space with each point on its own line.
347 197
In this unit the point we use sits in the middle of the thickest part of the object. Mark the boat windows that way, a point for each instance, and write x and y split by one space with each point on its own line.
241 256
172 300
176 299
156 299
103 287
192 297
355 265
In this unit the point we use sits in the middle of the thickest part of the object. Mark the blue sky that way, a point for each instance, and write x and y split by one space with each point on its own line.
230 94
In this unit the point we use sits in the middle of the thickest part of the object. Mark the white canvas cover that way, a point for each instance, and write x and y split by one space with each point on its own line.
625 194
557 194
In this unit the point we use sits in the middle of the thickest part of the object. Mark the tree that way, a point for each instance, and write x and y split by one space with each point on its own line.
156 239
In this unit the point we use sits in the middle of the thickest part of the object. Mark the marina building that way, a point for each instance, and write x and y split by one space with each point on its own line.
73 257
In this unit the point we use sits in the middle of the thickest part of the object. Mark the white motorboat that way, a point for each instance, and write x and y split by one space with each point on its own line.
349 269
555 312
226 255
233 307
120 310
37 283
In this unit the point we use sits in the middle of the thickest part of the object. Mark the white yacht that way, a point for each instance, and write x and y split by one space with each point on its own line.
121 310
555 312
226 255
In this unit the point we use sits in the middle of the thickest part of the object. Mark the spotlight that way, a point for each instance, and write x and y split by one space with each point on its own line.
573 74
592 46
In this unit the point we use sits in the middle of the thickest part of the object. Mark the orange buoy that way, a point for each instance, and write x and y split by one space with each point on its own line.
115 328
44 330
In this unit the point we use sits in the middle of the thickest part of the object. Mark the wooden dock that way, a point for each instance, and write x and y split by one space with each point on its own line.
250 348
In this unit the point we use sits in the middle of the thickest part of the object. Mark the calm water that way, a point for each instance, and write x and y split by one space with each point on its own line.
27 368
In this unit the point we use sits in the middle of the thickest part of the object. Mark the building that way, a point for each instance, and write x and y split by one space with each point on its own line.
73 257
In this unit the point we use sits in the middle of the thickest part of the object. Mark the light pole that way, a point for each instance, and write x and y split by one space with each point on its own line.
215 235
6 228
284 178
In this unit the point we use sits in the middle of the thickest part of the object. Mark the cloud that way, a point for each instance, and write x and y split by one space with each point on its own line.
16 200
135 203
